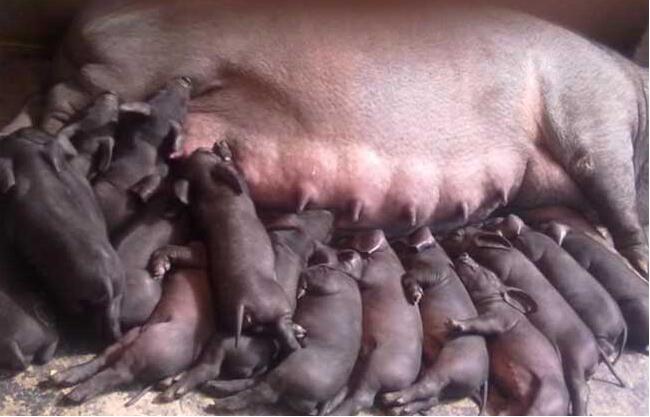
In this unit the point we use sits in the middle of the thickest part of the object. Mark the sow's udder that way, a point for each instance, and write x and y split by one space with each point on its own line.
363 182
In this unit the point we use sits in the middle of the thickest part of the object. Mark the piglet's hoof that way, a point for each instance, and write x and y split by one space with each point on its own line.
299 331
416 295
159 264
391 398
66 378
454 326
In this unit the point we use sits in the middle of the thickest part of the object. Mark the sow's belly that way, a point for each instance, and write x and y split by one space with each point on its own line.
390 182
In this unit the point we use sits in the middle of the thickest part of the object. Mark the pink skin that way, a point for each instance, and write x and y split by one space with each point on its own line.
282 170
391 116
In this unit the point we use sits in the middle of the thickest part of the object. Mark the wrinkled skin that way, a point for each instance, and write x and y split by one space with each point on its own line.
27 323
161 222
293 237
239 251
146 135
51 217
626 287
391 346
169 343
359 107
454 367
554 316
583 292
330 312
524 366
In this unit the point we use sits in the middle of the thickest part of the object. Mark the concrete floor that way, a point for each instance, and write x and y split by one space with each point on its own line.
22 73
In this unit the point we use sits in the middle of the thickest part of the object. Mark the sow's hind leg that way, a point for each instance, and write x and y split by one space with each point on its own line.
591 130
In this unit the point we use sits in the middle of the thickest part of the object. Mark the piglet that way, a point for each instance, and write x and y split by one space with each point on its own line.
585 295
294 238
146 135
612 271
50 216
554 317
524 367
454 367
239 251
391 349
167 344
330 311
27 323
162 221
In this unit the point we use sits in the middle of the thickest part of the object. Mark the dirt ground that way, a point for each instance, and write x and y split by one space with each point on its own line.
22 73
27 394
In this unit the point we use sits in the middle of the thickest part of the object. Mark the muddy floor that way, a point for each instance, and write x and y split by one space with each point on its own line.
23 72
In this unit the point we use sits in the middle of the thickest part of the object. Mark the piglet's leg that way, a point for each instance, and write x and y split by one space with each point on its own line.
414 407
46 353
169 381
289 332
103 381
364 391
428 387
578 390
14 355
260 394
486 324
412 288
224 388
361 399
548 401
191 256
327 407
209 367
82 372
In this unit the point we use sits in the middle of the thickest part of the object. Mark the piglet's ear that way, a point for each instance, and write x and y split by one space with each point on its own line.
368 242
68 132
174 139
280 221
520 300
222 150
104 152
227 174
55 155
492 240
351 262
136 108
63 140
7 178
182 191
421 239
